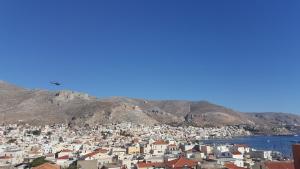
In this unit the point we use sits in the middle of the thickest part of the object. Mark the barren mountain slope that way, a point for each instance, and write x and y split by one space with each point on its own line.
40 106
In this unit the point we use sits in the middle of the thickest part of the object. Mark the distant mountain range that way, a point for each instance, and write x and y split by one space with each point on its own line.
46 107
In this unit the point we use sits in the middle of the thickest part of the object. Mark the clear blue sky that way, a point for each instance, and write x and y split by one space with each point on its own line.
243 54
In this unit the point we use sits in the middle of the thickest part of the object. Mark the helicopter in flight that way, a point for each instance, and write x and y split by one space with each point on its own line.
55 83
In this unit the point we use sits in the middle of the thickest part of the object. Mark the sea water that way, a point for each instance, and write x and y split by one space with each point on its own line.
282 144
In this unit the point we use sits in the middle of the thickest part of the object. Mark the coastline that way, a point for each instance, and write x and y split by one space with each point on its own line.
282 144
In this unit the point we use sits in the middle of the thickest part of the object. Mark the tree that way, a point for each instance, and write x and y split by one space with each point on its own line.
61 139
49 133
38 161
73 165
11 141
36 132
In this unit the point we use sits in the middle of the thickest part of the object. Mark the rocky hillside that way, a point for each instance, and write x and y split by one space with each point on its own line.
41 107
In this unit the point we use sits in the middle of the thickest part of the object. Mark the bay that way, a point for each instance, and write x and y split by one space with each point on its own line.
282 144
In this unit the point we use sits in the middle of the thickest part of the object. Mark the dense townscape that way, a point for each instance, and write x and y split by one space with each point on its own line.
128 145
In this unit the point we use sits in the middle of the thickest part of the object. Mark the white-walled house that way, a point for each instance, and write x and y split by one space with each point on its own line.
242 148
101 155
159 147
237 155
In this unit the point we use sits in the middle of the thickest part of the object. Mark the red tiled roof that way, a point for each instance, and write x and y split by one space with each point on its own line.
232 166
136 140
99 150
91 154
149 164
279 165
77 142
66 157
181 162
5 157
66 150
236 153
160 142
172 145
47 166
49 155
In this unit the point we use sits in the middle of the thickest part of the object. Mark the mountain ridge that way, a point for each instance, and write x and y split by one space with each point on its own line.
77 108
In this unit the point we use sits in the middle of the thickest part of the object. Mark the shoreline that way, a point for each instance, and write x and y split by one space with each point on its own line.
262 135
